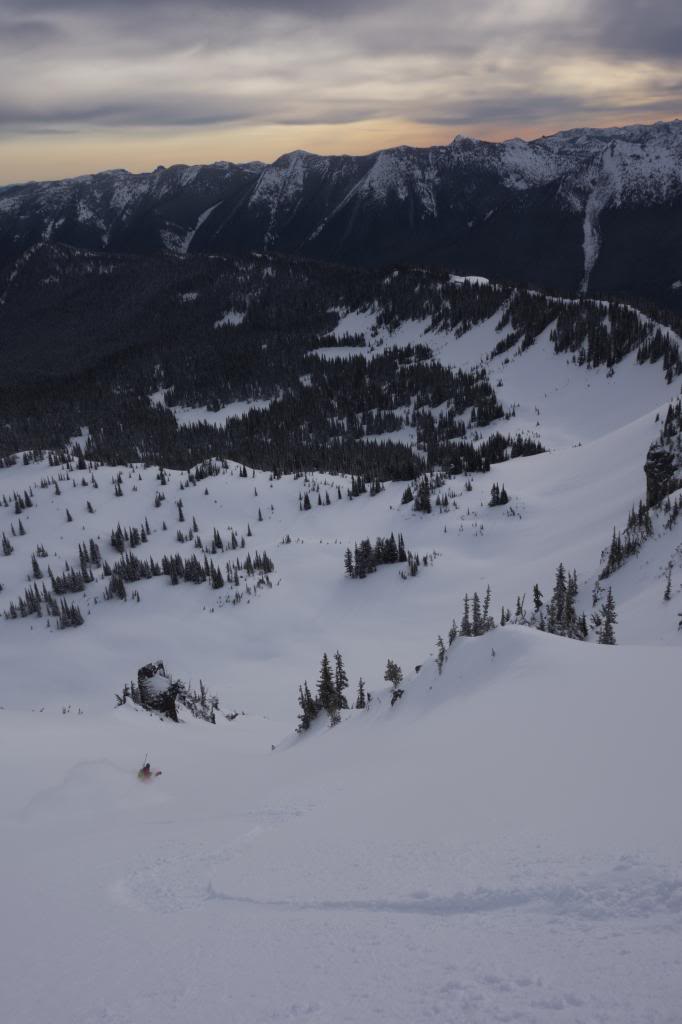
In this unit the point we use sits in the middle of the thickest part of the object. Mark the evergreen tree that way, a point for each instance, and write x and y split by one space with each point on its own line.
340 681
537 598
361 699
571 594
498 495
558 603
326 691
465 626
476 617
422 501
488 621
607 633
309 708
394 675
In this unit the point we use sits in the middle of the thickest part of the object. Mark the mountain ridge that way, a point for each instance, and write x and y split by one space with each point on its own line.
461 138
582 211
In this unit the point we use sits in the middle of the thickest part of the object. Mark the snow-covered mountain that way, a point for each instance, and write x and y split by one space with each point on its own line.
596 210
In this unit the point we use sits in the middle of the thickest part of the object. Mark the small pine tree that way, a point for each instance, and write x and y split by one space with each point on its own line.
340 680
476 617
308 706
422 501
326 691
394 675
558 603
607 633
361 699
465 625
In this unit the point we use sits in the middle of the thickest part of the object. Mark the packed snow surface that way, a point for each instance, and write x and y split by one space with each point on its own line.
504 844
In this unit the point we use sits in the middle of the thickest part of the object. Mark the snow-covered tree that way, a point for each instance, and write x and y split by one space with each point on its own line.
393 674
607 633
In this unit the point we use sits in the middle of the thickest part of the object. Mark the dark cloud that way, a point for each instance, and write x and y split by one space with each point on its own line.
309 8
69 65
525 109
639 28
166 111
27 34
574 110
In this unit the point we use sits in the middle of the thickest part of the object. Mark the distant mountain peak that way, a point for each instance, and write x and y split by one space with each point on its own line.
583 209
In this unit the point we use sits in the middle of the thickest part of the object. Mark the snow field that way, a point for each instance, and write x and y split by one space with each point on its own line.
504 844
492 849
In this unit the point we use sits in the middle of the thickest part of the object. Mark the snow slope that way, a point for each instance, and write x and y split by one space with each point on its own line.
503 844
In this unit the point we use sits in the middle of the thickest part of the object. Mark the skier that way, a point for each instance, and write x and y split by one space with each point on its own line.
145 773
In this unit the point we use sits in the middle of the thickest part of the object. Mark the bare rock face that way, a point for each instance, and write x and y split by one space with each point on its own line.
660 475
151 671
663 467
157 691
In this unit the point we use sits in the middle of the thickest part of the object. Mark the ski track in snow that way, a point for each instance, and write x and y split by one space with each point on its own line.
593 900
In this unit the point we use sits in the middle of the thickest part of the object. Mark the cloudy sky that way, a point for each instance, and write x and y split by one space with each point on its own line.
89 84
